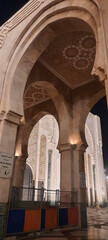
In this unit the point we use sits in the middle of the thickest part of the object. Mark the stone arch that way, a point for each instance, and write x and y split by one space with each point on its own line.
63 115
32 147
84 10
24 132
28 176
86 111
25 129
27 193
47 127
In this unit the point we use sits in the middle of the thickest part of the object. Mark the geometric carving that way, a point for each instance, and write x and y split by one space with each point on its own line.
30 7
71 54
32 149
34 95
42 159
89 170
81 54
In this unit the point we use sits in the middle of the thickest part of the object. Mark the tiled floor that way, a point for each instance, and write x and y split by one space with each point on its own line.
97 229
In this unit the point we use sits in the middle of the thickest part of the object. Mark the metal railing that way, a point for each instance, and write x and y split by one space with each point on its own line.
24 197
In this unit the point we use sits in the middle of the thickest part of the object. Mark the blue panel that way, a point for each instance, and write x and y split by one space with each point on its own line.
15 221
63 216
42 218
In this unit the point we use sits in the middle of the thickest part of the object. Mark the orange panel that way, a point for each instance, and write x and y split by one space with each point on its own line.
51 218
72 216
32 220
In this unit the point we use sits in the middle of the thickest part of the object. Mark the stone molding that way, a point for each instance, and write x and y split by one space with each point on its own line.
91 137
100 72
10 117
30 7
80 147
95 2
64 147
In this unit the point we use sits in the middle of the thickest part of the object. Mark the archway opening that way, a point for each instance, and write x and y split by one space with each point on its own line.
44 161
60 50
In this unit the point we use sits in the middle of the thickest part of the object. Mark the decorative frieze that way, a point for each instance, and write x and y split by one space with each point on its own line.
23 13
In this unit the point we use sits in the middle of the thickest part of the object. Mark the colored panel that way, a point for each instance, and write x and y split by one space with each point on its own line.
72 216
63 217
51 218
42 218
15 221
32 220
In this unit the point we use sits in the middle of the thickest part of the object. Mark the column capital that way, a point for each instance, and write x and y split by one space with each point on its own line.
79 147
10 117
64 147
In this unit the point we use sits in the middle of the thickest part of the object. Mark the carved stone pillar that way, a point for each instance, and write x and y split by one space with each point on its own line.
8 130
18 171
80 183
66 172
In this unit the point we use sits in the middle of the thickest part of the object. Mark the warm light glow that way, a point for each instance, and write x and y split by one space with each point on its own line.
71 142
74 139
22 120
17 154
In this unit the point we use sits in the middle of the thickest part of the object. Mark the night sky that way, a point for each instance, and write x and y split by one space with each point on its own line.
7 9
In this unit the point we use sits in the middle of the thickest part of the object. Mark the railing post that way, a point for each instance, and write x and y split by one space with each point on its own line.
42 195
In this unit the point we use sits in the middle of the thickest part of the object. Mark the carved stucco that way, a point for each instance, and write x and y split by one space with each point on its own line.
34 95
43 134
18 18
72 56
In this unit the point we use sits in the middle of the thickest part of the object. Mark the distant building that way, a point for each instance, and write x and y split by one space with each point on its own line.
43 162
94 166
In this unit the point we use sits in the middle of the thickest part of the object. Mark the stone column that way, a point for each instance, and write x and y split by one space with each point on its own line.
65 172
8 130
80 183
18 171
17 179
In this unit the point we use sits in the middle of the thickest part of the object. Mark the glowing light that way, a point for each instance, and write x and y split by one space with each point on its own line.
71 142
22 120
17 154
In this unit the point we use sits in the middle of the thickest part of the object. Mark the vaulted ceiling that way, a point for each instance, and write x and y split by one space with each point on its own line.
69 57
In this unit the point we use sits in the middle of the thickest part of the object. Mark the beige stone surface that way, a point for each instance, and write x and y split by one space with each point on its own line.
53 60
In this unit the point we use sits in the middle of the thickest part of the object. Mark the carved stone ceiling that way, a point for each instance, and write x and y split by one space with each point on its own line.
71 56
34 95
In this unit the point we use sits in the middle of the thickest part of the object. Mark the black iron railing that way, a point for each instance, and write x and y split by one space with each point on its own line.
38 198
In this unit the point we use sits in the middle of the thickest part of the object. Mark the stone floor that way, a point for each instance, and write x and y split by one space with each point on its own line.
97 229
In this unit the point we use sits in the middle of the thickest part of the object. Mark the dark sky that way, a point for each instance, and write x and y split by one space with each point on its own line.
7 9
